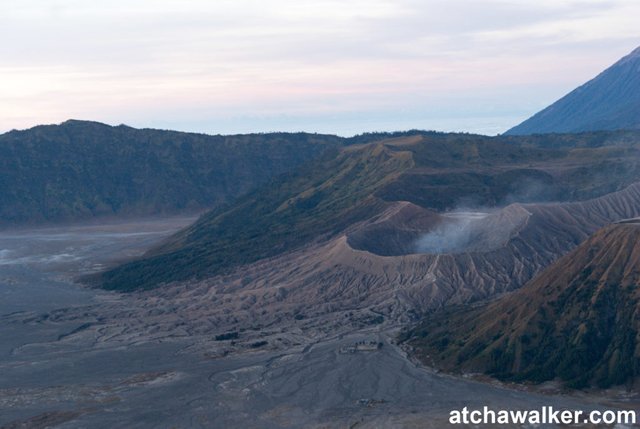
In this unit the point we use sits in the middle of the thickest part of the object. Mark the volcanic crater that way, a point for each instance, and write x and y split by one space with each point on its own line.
409 229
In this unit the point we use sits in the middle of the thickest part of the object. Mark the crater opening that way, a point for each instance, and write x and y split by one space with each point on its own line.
414 230
457 232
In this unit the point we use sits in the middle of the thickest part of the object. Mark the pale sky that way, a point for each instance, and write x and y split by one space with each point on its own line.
332 66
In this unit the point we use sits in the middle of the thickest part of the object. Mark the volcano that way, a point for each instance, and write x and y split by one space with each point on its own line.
610 101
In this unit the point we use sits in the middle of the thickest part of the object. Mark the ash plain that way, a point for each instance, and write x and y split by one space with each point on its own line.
73 357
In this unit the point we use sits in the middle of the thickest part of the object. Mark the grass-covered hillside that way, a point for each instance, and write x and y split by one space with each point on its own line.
312 203
434 170
576 322
77 170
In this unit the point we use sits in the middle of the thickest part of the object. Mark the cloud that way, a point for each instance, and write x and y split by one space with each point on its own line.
306 64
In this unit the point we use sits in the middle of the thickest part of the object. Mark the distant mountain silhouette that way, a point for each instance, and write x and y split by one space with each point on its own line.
611 101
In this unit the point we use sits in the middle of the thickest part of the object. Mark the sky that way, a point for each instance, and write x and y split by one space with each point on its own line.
330 66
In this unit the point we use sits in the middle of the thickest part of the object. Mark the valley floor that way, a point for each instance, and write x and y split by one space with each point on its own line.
71 357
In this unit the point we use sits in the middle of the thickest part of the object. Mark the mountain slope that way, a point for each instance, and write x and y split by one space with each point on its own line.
340 281
608 102
318 201
348 192
80 169
577 321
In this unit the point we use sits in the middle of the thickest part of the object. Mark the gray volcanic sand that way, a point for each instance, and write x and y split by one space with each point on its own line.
51 375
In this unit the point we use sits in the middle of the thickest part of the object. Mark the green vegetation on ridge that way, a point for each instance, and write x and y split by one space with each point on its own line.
79 170
328 196
313 202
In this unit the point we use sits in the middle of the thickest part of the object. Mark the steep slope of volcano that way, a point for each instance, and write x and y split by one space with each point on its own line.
343 194
577 321
330 285
306 206
608 102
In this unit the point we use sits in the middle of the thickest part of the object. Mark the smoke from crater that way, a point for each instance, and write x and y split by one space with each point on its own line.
456 234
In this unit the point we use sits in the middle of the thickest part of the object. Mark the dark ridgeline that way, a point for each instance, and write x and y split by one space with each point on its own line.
79 170
611 101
